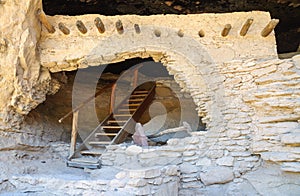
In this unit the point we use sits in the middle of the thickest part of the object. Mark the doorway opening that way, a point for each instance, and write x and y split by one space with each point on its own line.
169 108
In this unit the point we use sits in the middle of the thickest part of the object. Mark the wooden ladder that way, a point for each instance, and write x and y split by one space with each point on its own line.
114 129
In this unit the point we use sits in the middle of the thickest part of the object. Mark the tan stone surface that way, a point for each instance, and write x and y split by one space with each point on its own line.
60 52
24 83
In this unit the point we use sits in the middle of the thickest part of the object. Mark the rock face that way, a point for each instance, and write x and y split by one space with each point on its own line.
24 82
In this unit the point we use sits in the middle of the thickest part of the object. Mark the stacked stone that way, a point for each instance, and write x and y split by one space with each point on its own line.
265 93
147 181
177 91
278 92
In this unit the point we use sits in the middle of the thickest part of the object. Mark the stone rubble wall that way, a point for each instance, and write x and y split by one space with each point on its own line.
199 166
275 97
145 181
176 90
245 141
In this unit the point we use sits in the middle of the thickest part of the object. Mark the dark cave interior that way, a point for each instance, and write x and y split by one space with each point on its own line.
287 11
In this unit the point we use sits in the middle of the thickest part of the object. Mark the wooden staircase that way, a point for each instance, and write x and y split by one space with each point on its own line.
114 129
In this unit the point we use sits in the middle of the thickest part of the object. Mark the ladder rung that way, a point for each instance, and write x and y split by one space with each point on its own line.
123 115
99 143
140 92
139 95
128 109
111 127
105 134
135 100
117 121
131 104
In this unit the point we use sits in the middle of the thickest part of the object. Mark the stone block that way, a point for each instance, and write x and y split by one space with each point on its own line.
137 182
117 183
187 168
121 175
216 175
171 170
277 156
189 153
225 161
146 173
291 138
203 162
133 150
233 133
291 167
214 154
190 159
189 185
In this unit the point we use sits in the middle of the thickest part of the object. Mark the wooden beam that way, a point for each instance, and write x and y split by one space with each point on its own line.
81 27
43 19
63 28
246 27
99 24
269 28
226 30
119 27
74 133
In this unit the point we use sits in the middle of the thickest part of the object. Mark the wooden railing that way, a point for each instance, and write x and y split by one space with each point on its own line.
75 111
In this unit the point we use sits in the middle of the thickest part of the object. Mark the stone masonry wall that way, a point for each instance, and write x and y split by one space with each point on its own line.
247 140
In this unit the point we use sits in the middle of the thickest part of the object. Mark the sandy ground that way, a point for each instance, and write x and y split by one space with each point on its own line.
44 172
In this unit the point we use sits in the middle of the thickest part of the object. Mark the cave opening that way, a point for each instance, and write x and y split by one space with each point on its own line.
170 108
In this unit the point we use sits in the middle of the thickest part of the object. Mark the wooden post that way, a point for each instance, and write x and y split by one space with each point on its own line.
269 28
112 98
99 24
135 78
63 28
119 27
44 21
246 27
81 27
226 30
74 133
